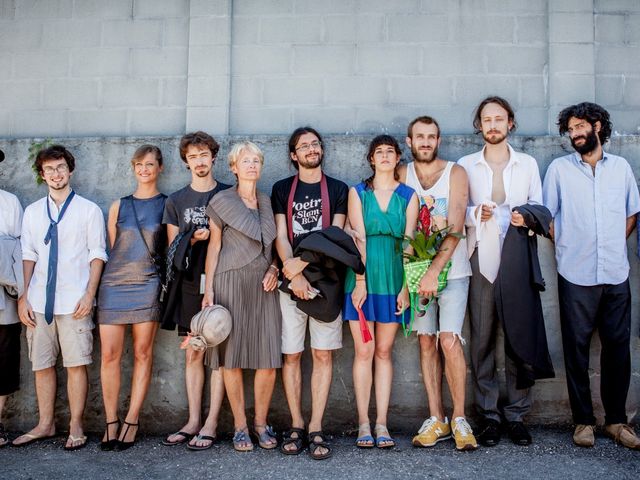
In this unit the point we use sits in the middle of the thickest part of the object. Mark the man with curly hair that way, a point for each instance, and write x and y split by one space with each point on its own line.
593 198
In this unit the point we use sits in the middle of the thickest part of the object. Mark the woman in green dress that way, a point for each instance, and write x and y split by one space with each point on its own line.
382 210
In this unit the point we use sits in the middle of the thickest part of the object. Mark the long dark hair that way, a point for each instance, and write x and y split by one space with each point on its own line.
375 143
590 112
295 136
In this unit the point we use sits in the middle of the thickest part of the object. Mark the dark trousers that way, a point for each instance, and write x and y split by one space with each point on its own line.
606 308
483 345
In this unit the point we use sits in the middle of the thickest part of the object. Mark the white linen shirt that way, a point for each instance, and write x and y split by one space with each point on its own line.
81 239
522 185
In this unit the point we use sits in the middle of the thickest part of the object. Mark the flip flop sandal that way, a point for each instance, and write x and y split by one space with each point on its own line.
383 439
365 440
73 448
289 439
314 445
199 437
32 439
267 437
185 438
242 441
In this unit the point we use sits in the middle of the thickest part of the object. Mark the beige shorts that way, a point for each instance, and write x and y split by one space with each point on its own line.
324 335
74 338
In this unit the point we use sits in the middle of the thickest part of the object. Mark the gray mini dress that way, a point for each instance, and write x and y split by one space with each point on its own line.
130 283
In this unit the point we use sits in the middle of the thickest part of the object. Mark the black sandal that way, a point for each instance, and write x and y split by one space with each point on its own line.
110 443
122 445
315 445
289 439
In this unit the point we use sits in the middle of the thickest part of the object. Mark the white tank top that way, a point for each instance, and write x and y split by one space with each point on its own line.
437 198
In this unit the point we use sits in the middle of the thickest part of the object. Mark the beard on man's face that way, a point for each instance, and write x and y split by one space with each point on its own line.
494 137
426 155
589 145
310 160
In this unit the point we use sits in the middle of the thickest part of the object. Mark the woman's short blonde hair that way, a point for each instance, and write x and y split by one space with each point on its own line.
239 148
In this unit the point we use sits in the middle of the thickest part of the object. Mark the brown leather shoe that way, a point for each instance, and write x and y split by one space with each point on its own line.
623 434
583 436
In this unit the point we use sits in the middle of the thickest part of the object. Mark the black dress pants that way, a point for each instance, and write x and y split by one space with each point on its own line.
606 308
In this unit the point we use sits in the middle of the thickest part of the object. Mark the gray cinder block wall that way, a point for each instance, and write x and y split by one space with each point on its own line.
104 77
160 67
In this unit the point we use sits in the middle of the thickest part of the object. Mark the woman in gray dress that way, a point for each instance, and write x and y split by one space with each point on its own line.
241 275
129 292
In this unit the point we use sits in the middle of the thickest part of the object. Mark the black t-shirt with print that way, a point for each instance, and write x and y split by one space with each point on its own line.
186 209
307 204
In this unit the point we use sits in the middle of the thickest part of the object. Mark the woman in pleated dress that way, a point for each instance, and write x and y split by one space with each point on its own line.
241 275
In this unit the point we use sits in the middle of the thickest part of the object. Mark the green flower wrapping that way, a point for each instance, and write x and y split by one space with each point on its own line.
413 273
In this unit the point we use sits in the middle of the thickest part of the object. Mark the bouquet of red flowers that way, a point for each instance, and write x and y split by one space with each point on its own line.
426 244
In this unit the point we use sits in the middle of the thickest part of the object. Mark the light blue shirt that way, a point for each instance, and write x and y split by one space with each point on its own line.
590 217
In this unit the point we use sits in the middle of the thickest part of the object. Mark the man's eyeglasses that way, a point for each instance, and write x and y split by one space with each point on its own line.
64 168
305 147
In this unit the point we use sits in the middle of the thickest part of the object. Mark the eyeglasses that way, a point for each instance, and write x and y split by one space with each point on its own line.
63 168
305 147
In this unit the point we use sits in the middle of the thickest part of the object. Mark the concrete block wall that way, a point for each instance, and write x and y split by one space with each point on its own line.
88 67
160 67
103 174
617 74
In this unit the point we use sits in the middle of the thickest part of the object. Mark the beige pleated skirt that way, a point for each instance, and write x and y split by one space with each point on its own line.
255 338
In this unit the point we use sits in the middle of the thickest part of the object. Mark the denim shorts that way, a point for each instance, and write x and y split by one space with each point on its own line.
446 312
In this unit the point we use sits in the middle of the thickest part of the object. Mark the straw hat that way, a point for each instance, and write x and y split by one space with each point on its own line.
210 327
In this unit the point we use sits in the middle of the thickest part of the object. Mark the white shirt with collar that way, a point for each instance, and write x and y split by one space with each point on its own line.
81 239
522 185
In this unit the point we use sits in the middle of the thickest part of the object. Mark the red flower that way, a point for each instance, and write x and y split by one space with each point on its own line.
424 220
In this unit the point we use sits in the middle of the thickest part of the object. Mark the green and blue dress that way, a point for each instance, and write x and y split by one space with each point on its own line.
384 275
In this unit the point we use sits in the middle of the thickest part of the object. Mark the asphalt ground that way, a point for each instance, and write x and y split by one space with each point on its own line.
552 455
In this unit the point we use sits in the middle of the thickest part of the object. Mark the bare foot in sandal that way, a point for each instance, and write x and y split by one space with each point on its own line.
293 441
241 440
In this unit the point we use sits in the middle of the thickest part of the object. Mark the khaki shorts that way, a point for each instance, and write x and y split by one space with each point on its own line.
324 335
65 334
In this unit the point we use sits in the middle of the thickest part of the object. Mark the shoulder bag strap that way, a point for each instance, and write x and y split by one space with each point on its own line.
146 246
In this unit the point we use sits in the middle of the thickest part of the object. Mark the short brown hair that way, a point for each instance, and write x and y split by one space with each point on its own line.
423 119
54 152
143 150
477 122
198 138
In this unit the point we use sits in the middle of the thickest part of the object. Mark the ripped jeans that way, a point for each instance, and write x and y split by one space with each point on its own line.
446 312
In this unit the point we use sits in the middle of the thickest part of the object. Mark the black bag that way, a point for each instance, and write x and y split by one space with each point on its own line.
157 262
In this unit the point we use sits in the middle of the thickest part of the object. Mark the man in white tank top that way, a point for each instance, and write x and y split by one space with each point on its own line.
442 188
499 180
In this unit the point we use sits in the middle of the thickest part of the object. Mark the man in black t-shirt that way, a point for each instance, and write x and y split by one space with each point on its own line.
306 202
185 211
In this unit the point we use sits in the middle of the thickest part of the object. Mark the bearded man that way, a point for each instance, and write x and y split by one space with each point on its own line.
442 188
593 198
500 179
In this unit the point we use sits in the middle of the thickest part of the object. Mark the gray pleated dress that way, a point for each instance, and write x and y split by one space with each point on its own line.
130 283
244 258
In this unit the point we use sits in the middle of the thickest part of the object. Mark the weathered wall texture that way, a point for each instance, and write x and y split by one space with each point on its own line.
103 174
157 67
